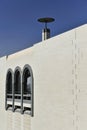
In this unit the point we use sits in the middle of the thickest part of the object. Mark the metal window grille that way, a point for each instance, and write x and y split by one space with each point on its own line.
19 88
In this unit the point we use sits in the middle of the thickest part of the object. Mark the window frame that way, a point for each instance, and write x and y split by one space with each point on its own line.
7 105
27 66
29 108
19 96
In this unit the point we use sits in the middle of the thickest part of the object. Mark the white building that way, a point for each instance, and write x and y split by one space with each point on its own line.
53 74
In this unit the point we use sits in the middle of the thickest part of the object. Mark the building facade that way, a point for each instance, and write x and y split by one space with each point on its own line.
45 87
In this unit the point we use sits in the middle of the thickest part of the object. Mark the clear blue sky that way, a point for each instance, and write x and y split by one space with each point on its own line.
19 28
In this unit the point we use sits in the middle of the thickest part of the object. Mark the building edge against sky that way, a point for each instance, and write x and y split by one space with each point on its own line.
59 67
68 35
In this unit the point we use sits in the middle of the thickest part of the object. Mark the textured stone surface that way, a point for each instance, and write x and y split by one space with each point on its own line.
60 85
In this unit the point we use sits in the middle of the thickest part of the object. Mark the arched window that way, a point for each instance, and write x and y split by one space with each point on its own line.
27 81
17 83
19 90
9 82
27 88
9 89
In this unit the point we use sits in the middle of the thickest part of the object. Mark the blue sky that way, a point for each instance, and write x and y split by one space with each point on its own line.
19 28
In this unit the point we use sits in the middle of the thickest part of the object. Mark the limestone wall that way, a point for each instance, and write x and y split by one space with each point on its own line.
60 94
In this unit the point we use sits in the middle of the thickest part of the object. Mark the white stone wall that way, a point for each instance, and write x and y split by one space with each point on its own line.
16 121
53 86
60 94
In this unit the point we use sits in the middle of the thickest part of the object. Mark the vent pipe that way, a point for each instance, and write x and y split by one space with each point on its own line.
45 31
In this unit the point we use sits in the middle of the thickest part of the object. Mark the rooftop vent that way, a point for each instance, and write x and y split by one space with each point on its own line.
45 31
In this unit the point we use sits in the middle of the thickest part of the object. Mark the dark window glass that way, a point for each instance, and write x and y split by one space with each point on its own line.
17 82
27 88
27 81
9 83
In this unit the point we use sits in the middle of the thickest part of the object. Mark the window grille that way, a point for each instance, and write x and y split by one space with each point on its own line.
19 90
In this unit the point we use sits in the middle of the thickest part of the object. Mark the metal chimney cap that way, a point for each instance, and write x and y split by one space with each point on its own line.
46 20
45 31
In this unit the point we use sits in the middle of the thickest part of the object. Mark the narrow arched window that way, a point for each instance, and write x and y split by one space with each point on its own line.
27 89
9 89
9 83
17 83
27 81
